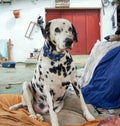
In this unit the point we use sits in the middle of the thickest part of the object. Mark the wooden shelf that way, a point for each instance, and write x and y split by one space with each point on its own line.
31 60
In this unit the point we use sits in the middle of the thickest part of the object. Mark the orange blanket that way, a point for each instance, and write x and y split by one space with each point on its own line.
21 116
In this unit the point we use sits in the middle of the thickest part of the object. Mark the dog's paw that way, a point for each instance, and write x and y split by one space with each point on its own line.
36 117
11 108
33 116
39 117
14 107
89 116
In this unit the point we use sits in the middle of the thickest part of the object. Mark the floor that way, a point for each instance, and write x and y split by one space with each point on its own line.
11 79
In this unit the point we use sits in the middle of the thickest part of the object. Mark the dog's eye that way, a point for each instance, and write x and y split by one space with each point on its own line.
57 29
70 29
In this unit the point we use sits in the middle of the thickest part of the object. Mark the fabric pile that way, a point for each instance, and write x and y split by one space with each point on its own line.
101 79
21 116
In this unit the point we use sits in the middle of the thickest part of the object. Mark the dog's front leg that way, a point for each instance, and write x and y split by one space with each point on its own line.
84 107
53 115
28 99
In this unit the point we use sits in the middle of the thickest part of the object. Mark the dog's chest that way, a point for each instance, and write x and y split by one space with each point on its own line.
57 74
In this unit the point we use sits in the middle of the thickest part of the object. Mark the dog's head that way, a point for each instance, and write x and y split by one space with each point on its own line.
61 33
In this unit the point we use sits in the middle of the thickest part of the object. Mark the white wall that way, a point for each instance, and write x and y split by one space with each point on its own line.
30 10
85 3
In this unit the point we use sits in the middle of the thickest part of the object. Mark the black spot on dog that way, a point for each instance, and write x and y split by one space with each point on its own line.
79 87
68 68
57 30
42 98
52 63
66 87
65 83
67 51
60 98
41 105
59 70
54 42
42 79
73 69
46 76
76 89
52 92
75 83
68 61
40 66
51 46
35 77
55 108
53 70
63 69
40 73
25 107
40 87
65 74
33 87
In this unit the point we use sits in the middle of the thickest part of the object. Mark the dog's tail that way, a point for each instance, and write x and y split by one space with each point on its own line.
40 23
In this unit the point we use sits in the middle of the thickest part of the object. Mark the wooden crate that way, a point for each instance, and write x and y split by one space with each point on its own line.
62 3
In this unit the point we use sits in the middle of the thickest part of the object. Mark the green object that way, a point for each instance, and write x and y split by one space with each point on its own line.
4 48
117 1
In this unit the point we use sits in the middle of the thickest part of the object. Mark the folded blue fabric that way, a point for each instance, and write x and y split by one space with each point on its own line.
103 89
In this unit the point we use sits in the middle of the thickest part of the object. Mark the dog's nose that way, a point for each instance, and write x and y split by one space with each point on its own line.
68 42
107 37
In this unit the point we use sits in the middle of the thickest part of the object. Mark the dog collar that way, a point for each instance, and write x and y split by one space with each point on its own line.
49 54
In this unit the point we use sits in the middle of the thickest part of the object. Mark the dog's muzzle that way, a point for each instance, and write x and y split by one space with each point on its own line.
107 37
68 42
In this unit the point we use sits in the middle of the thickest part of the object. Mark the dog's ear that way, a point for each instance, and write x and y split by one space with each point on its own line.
47 30
118 31
74 33
40 23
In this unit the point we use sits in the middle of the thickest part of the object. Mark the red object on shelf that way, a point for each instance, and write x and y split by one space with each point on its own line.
16 13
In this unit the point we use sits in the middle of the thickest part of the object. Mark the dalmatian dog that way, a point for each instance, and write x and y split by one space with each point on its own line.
53 74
